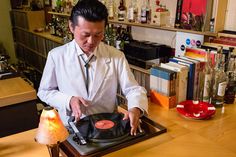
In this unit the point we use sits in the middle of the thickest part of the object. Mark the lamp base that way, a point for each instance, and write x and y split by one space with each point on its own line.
53 150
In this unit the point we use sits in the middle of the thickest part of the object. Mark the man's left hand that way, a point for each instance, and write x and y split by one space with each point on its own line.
133 115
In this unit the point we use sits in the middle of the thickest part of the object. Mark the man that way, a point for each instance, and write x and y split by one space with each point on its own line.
81 78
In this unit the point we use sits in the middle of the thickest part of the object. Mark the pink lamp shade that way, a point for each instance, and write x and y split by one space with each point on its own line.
51 130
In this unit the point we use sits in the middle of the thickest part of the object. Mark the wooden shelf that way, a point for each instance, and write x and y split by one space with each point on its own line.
147 26
162 27
45 35
145 71
59 14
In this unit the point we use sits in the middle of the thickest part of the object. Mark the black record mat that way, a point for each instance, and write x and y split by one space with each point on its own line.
108 131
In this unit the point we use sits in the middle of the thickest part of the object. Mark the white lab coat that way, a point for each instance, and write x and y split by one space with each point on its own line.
62 78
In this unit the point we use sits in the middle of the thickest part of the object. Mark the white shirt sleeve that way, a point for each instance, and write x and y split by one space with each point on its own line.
134 93
48 90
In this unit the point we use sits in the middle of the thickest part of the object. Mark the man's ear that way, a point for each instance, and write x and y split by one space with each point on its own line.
71 27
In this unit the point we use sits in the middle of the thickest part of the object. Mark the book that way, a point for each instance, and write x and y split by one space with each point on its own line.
198 68
181 81
163 81
200 53
190 75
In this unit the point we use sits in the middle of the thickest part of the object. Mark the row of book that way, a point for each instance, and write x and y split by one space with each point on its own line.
19 19
179 79
176 81
169 82
34 42
30 57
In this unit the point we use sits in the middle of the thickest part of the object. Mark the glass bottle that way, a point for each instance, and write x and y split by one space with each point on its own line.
143 18
231 86
148 11
121 11
219 80
207 78
52 26
132 11
127 35
110 10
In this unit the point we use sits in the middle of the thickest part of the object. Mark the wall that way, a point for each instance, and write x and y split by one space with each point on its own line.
5 29
155 35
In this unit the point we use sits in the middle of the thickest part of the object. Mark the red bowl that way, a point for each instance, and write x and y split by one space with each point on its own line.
196 109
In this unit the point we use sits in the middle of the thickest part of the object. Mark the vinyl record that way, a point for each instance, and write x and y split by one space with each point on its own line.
104 127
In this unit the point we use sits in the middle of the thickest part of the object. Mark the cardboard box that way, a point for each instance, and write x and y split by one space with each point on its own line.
161 18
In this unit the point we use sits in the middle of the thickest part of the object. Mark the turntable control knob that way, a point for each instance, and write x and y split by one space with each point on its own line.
75 138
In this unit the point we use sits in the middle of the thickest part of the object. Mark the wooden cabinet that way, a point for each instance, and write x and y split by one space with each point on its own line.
18 110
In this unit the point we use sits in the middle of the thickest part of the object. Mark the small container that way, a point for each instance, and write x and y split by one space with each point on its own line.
212 21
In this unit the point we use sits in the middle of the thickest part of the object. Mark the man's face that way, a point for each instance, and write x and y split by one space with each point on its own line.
88 34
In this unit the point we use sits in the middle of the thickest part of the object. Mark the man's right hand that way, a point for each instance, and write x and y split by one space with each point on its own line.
77 105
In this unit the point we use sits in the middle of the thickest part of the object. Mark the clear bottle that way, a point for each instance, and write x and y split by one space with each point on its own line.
121 11
110 10
53 26
207 88
220 80
132 11
143 18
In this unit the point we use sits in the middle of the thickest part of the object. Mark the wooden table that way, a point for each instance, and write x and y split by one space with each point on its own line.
185 138
22 145
215 137
18 110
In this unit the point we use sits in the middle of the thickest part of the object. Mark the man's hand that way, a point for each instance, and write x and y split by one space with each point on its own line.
77 105
133 115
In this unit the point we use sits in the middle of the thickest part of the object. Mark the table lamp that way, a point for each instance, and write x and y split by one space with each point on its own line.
51 131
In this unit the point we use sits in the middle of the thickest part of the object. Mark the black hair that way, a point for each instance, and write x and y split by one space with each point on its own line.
90 10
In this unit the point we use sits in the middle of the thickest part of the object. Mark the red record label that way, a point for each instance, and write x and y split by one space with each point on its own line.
104 124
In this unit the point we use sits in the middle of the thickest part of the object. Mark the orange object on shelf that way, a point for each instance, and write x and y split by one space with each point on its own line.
165 101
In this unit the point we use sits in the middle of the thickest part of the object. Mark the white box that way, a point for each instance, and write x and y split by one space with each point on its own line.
184 40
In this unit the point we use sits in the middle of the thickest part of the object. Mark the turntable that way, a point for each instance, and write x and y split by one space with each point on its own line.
99 134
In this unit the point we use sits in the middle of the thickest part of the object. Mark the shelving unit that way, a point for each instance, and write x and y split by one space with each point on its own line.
32 47
147 26
161 27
